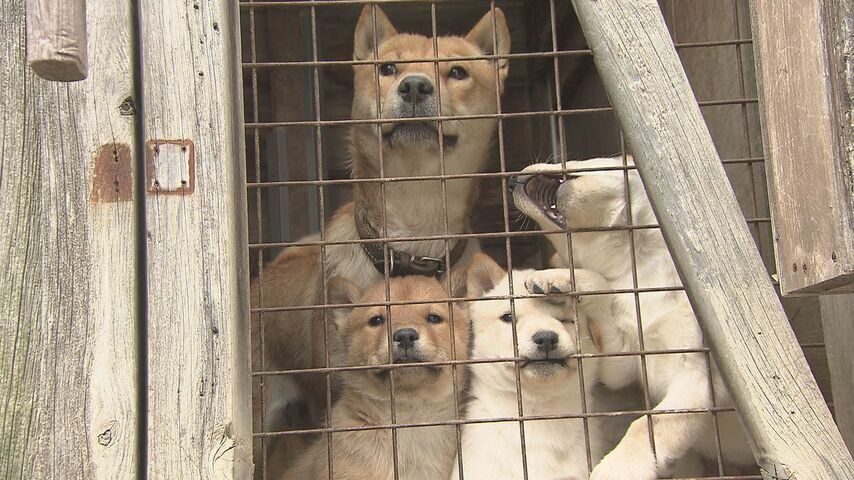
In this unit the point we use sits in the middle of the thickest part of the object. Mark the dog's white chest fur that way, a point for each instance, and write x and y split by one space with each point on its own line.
554 449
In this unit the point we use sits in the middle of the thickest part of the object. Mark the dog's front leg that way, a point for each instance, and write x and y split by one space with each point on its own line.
674 434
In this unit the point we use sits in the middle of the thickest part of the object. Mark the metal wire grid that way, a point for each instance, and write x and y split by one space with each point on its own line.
256 185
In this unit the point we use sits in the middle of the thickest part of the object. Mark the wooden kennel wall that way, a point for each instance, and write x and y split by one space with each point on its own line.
124 342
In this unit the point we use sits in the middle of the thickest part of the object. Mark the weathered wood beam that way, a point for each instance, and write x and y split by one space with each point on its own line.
792 430
805 78
56 39
837 317
68 282
199 419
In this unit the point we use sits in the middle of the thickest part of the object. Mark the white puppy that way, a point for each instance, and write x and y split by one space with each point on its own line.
589 200
546 333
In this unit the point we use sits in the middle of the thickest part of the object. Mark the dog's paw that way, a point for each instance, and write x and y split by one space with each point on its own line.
555 280
620 466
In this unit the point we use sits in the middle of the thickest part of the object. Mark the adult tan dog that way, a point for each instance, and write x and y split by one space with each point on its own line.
420 332
401 90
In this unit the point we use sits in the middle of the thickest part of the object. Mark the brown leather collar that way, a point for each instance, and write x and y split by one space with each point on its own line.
402 263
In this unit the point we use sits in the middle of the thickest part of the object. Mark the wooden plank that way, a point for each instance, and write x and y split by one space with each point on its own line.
199 423
56 39
67 339
805 90
792 430
837 314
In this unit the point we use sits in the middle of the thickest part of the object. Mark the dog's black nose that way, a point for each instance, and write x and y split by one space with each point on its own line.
405 337
415 89
545 340
513 181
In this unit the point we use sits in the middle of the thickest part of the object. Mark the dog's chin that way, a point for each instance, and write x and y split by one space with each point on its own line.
544 369
409 377
417 135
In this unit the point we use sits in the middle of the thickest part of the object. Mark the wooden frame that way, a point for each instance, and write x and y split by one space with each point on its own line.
73 285
68 275
197 255
792 432
802 47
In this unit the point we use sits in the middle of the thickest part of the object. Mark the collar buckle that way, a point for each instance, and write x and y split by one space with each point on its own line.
403 264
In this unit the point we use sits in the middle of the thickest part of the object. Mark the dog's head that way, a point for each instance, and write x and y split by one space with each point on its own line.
412 89
579 197
418 332
545 327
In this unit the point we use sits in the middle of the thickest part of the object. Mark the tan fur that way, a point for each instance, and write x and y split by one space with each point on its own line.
295 339
422 394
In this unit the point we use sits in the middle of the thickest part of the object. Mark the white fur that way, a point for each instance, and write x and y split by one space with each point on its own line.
676 381
555 449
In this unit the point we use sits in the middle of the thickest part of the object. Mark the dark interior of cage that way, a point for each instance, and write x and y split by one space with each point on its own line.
568 111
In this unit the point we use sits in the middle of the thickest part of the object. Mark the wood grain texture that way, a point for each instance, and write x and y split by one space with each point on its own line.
68 406
198 342
802 47
791 428
56 39
837 315
20 263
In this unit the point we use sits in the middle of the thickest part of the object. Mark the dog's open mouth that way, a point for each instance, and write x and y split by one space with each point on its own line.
542 190
417 132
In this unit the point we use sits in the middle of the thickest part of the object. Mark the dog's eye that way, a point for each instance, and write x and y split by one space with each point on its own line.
387 69
433 318
458 73
376 320
506 318
570 321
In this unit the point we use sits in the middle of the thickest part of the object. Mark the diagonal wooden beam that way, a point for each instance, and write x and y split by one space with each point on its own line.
792 430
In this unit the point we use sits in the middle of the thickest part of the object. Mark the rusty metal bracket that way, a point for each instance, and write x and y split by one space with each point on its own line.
170 167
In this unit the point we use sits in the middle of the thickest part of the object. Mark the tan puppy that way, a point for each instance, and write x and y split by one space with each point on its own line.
419 333
412 208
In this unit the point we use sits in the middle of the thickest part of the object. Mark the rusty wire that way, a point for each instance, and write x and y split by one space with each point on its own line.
557 114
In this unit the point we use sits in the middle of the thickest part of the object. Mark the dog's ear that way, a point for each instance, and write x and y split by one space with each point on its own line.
458 282
341 292
595 334
364 41
483 275
481 35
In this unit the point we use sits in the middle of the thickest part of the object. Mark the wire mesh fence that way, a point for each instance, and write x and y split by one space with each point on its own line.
544 104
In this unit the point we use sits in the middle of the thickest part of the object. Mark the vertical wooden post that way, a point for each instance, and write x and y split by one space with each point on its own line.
805 74
198 324
68 283
792 431
837 317
56 39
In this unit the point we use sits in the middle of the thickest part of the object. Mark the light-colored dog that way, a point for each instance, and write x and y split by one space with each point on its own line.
547 330
419 333
676 381
400 91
